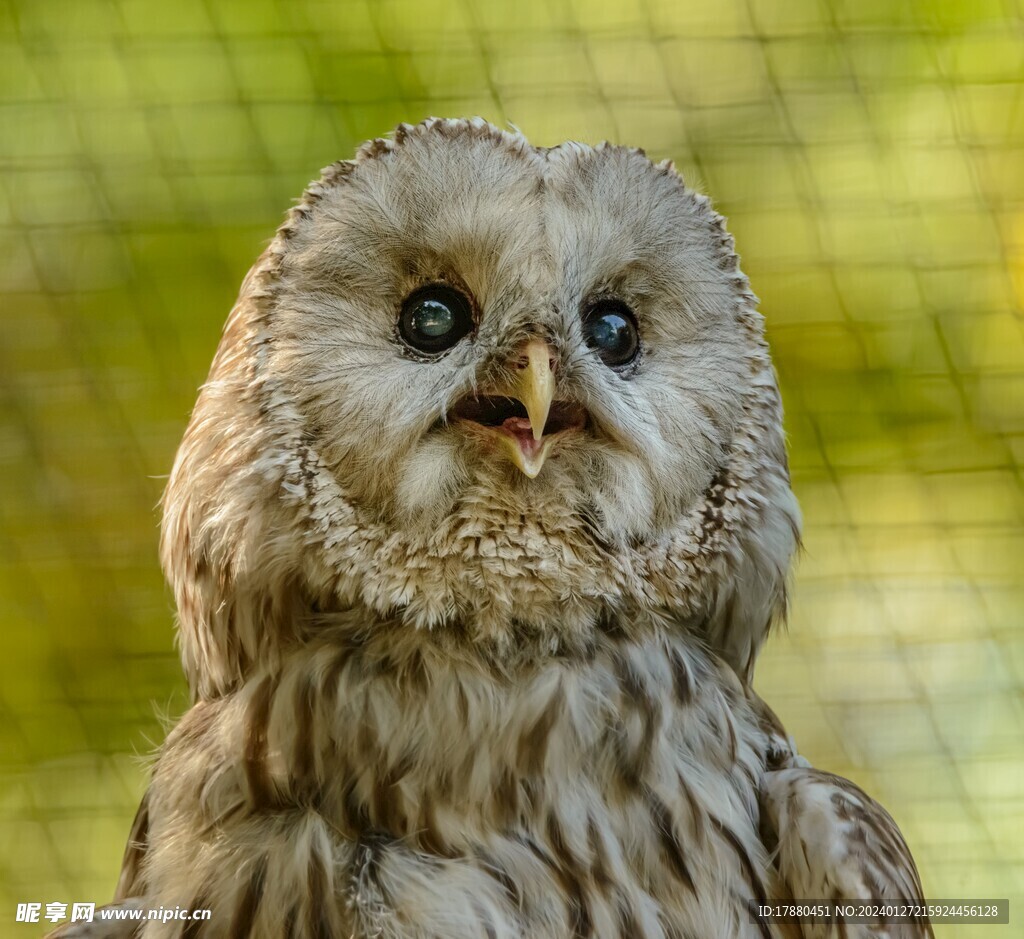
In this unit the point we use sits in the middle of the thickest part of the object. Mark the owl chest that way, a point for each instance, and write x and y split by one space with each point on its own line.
617 799
613 798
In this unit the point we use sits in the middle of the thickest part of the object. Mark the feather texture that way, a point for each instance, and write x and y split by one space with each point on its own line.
833 842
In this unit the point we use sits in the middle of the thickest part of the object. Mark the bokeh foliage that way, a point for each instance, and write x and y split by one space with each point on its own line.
870 157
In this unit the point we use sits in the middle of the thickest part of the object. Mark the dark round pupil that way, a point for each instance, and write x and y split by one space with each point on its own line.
432 318
613 335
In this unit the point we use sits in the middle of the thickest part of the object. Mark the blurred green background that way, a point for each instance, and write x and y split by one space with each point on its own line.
870 157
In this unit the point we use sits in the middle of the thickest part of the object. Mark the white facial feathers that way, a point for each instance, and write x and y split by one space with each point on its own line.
373 487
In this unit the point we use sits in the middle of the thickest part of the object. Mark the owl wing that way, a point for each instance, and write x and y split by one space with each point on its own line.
831 841
130 883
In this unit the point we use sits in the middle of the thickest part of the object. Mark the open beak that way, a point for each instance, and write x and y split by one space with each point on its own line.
518 416
534 388
534 385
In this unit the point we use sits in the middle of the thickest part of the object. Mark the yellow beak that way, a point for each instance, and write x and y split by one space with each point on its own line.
534 386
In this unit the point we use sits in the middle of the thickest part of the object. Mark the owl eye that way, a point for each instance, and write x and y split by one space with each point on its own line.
610 330
434 318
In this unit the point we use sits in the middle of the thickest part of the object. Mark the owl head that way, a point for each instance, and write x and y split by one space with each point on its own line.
488 395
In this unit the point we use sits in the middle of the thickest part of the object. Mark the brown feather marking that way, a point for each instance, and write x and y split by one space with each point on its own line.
697 812
631 928
634 762
629 680
497 870
305 722
485 920
354 810
734 746
506 797
256 720
193 928
332 676
388 804
320 895
568 866
755 882
633 766
624 762
599 871
723 724
671 848
248 903
572 890
533 745
682 684
463 703
429 833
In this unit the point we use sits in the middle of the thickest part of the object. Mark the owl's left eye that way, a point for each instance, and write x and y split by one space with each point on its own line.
434 318
610 330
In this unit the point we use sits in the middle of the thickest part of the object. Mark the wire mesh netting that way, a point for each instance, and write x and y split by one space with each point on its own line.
870 157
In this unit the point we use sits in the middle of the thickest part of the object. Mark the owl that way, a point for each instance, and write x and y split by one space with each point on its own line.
476 531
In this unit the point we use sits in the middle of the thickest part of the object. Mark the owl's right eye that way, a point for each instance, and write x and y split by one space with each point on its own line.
434 318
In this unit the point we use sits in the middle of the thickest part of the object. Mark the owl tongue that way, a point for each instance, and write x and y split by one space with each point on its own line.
516 438
520 429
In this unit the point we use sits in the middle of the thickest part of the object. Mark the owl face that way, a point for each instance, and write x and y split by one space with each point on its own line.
464 319
495 393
